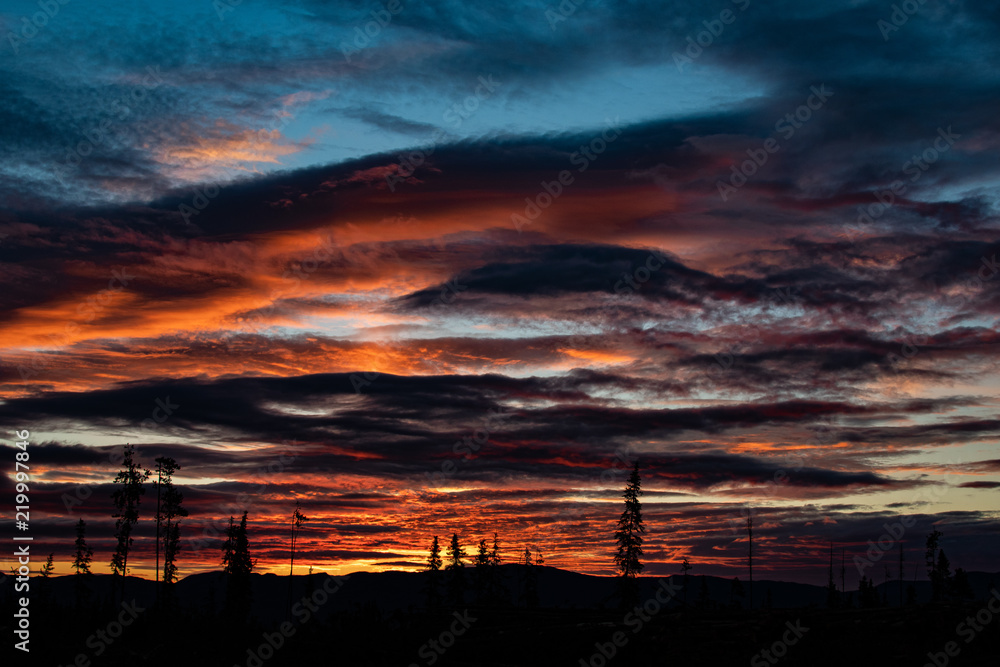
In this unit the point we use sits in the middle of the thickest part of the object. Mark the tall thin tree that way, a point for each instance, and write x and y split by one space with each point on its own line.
298 518
169 506
126 502
456 583
237 565
482 570
530 581
434 573
630 529
81 561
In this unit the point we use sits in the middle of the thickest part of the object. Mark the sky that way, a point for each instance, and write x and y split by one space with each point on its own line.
436 268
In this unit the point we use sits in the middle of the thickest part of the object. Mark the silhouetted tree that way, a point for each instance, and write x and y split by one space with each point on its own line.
81 562
434 568
169 506
496 584
456 582
126 501
482 570
629 538
46 570
238 565
298 518
931 561
867 595
530 581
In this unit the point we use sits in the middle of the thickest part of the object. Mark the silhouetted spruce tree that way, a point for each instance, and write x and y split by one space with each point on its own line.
46 570
238 565
434 574
496 583
482 571
169 507
126 501
931 561
629 538
685 568
530 581
81 563
456 582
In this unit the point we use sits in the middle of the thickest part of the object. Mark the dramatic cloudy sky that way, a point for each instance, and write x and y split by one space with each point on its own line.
455 274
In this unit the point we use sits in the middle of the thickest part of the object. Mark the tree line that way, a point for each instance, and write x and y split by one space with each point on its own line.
487 582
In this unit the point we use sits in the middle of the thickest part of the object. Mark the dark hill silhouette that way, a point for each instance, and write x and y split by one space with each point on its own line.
404 591
381 619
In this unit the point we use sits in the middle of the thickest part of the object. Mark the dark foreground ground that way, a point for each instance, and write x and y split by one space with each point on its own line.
382 619
890 636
